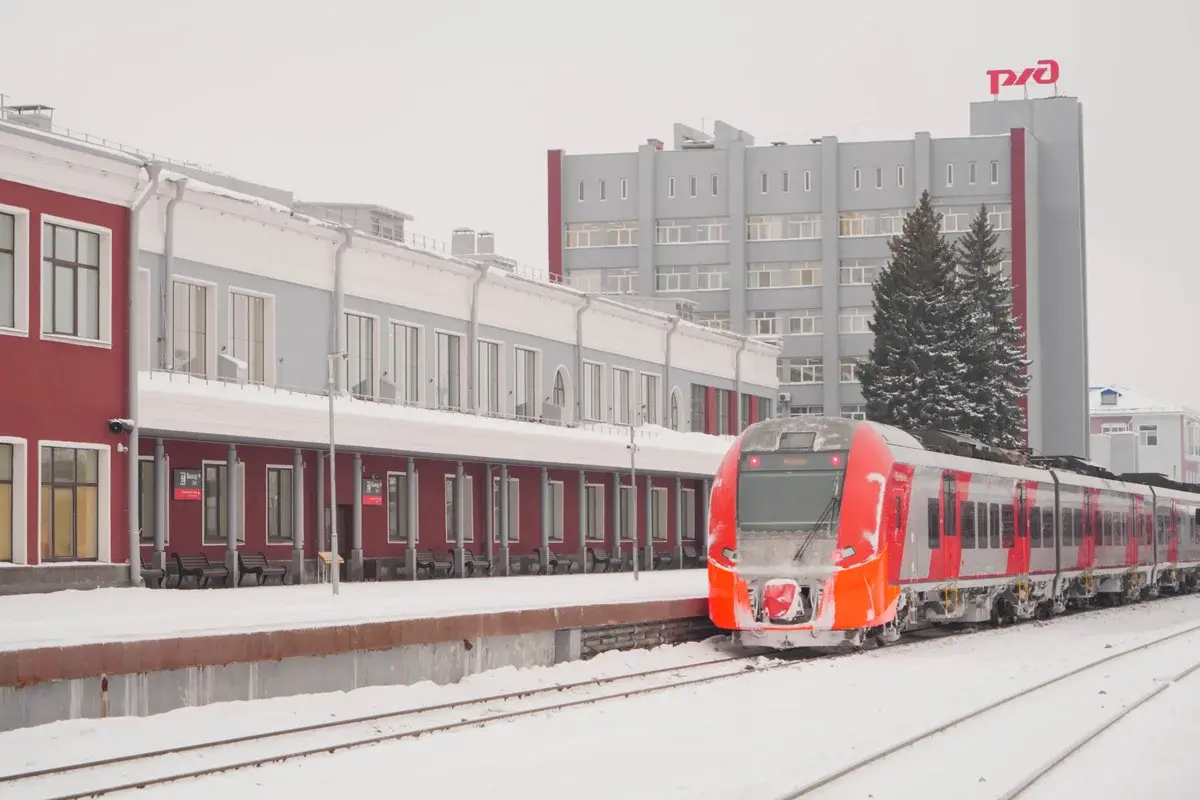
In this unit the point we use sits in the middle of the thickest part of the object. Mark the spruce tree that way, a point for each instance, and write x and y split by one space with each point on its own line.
915 376
997 368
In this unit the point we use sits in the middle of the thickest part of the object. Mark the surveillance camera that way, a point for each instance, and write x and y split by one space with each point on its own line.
120 425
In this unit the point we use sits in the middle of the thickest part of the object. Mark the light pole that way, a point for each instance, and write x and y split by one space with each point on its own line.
333 531
633 512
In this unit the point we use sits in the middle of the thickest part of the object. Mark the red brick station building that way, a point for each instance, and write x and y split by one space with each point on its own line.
165 338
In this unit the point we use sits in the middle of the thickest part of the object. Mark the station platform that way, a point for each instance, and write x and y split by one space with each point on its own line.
133 651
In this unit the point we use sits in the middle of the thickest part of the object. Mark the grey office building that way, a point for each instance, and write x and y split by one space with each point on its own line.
784 240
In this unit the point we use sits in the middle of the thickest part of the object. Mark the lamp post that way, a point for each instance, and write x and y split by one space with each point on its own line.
334 358
633 485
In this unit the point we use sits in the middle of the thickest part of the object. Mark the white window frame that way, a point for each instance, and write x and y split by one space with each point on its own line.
20 499
763 183
687 525
853 272
558 501
267 504
144 536
627 523
855 320
624 188
579 198
149 337
582 235
669 278
809 320
717 320
344 372
879 177
419 331
497 379
514 509
1148 435
693 185
785 182
103 499
848 369
712 278
105 310
949 174
1000 216
592 391
671 187
468 518
807 180
436 400
856 411
811 370
651 396
857 179
763 323
593 512
21 271
210 324
535 402
714 184
995 172
660 515
239 473
402 489
603 191
900 175
630 412
269 356
1114 427
971 170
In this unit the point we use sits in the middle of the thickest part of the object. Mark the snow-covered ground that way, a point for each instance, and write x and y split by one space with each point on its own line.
760 735
105 615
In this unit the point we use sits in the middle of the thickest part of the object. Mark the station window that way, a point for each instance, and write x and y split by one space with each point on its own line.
70 509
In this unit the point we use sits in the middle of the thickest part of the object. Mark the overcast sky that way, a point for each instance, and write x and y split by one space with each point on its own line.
446 109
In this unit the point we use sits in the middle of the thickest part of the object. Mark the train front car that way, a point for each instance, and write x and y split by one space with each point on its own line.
796 557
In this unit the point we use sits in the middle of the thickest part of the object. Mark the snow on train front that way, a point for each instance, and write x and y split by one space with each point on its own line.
795 554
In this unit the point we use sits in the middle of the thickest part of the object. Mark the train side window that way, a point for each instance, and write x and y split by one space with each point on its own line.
1077 527
1106 530
1195 524
1147 529
949 490
1035 528
1118 527
1065 526
1022 513
994 524
967 525
1162 528
935 532
1006 526
981 531
1048 528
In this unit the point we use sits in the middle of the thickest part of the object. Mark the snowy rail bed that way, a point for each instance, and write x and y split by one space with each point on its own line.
724 740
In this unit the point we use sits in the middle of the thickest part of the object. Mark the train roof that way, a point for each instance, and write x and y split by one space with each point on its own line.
953 450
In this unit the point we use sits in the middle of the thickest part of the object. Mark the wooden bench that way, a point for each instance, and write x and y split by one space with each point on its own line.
691 558
664 560
256 564
154 574
600 557
200 568
472 562
429 564
571 562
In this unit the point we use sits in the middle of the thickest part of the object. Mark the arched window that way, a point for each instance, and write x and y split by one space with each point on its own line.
559 395
674 411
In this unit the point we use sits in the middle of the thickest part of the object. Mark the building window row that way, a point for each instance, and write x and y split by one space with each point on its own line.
785 182
602 189
692 231
859 272
703 278
774 274
622 233
878 177
801 370
192 333
783 227
718 320
957 219
888 222
973 173
693 184
620 280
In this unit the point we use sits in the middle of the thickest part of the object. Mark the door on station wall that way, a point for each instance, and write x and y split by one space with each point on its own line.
345 529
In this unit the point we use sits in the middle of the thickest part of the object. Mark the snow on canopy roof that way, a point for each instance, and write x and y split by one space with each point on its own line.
177 404
1130 402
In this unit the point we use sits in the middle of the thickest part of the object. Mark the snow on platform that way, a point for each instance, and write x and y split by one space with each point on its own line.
731 739
66 618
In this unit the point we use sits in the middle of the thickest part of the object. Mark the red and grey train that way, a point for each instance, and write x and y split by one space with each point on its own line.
830 531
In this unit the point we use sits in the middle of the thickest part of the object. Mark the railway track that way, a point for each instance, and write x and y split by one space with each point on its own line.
133 771
1025 721
139 770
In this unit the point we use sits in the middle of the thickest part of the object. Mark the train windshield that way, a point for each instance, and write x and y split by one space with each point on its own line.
789 500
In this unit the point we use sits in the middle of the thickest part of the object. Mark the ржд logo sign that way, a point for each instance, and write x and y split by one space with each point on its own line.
1045 72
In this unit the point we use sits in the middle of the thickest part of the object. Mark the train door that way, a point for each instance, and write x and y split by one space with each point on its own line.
896 514
945 548
1018 556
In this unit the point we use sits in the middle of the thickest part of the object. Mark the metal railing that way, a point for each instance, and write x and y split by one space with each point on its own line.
251 387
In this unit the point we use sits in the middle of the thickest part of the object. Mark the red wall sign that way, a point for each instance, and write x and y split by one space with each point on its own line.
1046 72
372 492
186 485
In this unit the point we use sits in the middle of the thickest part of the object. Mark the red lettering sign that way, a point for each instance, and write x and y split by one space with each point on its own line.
1046 72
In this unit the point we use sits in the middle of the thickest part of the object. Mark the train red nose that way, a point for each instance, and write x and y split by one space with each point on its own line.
781 599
